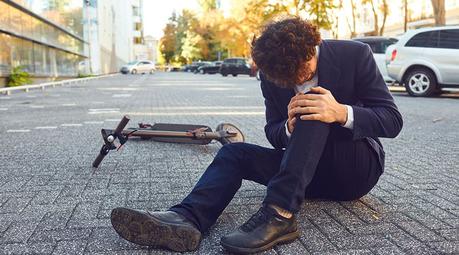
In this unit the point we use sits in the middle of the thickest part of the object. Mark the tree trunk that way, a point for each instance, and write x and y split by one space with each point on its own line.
385 10
375 17
405 23
439 12
352 28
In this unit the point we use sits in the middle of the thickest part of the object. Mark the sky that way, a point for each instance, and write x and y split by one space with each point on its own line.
157 12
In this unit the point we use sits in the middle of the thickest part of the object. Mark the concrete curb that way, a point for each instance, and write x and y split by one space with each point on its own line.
42 86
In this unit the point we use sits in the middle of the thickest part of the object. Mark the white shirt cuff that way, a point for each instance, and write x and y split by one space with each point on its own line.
350 118
286 129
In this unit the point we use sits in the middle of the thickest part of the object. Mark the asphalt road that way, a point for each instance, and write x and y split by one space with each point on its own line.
53 202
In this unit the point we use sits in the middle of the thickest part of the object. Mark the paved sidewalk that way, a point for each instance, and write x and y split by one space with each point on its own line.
53 202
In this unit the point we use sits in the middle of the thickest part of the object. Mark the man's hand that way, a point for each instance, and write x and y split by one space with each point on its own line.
321 106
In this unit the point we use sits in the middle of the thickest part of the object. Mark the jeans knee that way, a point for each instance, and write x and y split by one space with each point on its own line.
232 149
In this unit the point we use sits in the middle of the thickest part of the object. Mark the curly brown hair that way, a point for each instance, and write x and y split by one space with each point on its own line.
283 50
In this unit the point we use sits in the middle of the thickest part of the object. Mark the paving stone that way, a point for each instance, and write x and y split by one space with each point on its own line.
18 232
315 241
419 231
447 247
30 248
70 247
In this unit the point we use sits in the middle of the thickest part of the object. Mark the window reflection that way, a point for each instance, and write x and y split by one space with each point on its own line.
38 58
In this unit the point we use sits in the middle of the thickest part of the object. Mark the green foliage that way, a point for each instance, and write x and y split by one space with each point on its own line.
18 77
83 75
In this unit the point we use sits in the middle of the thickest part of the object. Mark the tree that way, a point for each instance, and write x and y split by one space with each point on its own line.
167 44
192 46
183 23
352 28
439 12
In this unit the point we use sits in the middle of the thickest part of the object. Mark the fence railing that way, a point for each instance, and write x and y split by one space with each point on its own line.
42 86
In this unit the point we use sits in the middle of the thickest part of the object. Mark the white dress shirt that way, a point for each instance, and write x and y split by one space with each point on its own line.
304 88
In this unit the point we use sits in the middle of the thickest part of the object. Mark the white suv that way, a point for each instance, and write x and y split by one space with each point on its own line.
425 60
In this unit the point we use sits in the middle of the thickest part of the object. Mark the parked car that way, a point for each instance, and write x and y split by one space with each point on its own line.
378 45
144 66
195 65
425 60
211 68
235 66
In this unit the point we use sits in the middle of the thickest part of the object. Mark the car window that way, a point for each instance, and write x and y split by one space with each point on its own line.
375 46
146 63
449 39
386 44
425 39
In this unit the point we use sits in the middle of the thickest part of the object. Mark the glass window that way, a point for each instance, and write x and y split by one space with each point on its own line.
39 59
4 16
5 53
15 21
25 54
425 39
449 39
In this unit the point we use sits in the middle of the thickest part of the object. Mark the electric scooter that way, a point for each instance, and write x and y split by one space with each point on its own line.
163 132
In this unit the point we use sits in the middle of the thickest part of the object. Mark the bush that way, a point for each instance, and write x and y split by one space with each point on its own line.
18 77
82 75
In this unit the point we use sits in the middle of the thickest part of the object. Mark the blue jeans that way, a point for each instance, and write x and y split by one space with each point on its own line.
315 164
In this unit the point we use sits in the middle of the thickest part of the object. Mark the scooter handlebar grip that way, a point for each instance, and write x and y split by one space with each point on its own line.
98 160
122 124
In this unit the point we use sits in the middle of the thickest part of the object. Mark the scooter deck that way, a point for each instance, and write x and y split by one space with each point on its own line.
185 128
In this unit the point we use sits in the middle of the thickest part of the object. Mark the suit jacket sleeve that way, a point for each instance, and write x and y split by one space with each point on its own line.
275 123
377 116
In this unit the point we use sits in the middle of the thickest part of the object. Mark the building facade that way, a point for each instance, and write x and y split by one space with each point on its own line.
45 37
114 29
56 39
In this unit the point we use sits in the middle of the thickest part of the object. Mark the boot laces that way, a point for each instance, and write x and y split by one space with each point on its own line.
260 217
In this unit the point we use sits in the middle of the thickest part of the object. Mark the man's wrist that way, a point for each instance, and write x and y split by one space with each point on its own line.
342 114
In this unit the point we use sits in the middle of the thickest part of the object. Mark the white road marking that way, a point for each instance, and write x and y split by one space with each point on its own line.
93 122
229 113
46 127
68 104
178 108
121 95
102 111
113 120
18 130
3 109
30 96
37 106
120 89
5 98
72 125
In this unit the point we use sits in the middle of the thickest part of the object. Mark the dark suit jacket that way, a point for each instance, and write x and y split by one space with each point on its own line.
349 71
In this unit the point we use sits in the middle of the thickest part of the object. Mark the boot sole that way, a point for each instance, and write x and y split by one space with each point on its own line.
285 239
146 230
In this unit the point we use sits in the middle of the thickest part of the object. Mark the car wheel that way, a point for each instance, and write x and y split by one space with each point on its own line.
202 72
134 71
224 74
421 82
234 74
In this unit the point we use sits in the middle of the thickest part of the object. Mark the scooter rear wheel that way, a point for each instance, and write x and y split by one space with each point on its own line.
238 138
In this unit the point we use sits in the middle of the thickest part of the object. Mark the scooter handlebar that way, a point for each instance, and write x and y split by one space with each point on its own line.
124 121
98 160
